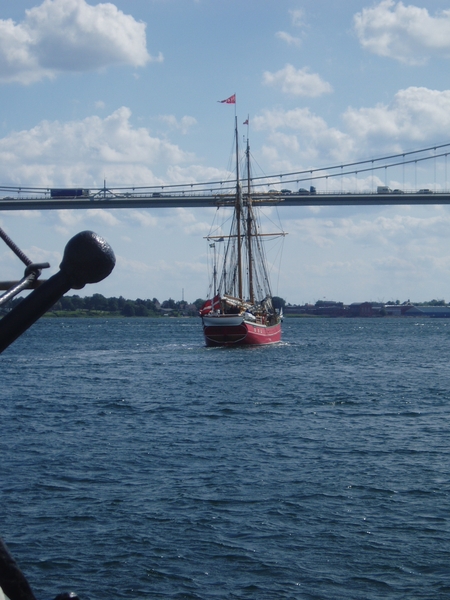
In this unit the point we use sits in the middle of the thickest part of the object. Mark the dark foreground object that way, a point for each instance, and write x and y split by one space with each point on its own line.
13 582
88 258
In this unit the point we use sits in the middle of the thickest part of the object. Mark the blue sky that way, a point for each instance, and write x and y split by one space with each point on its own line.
128 91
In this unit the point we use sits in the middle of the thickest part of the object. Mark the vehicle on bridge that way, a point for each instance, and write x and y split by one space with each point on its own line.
69 193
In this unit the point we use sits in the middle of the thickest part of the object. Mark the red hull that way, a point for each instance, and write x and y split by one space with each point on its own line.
246 334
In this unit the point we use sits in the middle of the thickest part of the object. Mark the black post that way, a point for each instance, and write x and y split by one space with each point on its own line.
12 580
87 259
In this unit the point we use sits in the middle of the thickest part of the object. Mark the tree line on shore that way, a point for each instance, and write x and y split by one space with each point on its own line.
99 304
123 307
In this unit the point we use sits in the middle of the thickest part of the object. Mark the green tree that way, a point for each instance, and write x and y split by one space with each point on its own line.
77 302
278 302
99 302
67 303
168 303
150 304
113 305
140 310
128 309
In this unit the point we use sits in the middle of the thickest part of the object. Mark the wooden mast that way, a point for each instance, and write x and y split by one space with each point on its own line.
238 215
249 229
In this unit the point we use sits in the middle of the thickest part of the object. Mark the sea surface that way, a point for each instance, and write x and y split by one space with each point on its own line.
135 463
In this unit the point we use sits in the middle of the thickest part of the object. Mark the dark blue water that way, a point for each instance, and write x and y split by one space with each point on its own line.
136 463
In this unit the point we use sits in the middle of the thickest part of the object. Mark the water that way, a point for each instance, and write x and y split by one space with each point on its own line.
137 463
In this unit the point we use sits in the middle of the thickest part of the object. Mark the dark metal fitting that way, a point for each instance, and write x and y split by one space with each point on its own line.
35 267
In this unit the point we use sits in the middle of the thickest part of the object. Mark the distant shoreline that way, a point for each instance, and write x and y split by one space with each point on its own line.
108 315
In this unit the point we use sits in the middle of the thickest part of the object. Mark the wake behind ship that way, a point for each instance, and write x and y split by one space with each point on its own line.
241 310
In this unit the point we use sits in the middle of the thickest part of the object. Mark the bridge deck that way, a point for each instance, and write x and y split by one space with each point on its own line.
205 201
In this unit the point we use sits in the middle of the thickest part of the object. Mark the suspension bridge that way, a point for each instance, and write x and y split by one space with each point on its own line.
407 178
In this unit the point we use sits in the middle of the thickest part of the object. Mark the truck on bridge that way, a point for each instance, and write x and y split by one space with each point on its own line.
69 193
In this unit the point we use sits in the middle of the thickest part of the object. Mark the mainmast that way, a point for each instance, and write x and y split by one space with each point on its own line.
215 269
238 214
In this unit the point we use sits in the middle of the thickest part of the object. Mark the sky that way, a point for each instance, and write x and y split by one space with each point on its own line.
128 91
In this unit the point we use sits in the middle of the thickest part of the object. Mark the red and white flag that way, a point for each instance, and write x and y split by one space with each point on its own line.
206 308
210 306
245 122
230 100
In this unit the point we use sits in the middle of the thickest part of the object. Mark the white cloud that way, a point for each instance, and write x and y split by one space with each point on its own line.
406 246
297 82
297 17
69 35
142 218
416 114
83 152
299 136
406 33
288 38
134 267
399 236
183 125
67 220
415 117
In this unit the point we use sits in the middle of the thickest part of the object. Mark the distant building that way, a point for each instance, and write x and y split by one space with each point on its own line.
331 310
367 309
361 309
394 310
320 309
435 312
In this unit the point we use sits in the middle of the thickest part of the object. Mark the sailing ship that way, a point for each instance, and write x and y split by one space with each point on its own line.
240 308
